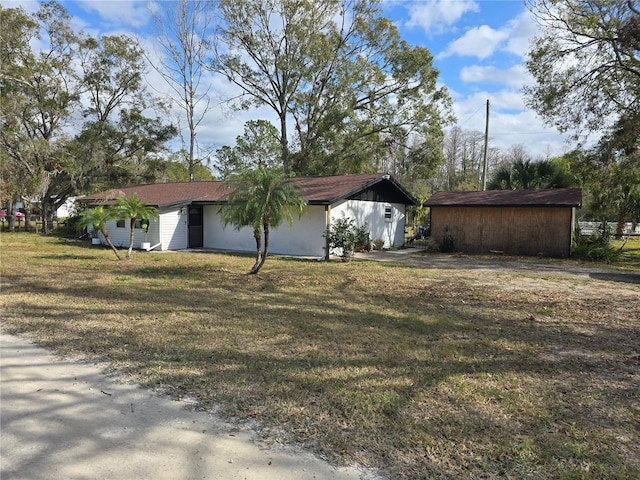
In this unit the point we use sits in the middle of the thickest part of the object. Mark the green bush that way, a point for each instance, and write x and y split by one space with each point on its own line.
430 245
596 247
345 236
363 239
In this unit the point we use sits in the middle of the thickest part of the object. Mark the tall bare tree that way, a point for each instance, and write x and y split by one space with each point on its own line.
182 32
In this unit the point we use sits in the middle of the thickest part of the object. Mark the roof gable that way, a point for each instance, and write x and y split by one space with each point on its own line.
559 197
323 190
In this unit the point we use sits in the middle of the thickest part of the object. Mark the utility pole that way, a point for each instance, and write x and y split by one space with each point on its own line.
486 149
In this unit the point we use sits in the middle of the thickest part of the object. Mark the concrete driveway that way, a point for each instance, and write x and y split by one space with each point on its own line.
63 419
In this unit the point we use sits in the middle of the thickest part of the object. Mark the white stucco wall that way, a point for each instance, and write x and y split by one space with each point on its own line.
67 209
373 214
303 238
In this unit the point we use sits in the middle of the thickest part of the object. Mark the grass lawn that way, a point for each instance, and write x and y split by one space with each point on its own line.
422 372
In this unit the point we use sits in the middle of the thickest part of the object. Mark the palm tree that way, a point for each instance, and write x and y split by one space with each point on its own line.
261 199
133 208
525 174
97 217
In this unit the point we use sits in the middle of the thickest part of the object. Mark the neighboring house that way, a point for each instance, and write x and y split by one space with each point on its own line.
67 209
189 214
517 222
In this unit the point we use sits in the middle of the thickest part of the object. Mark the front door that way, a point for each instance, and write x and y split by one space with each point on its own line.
195 226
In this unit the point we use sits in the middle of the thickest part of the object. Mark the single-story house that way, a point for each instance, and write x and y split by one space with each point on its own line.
517 222
189 214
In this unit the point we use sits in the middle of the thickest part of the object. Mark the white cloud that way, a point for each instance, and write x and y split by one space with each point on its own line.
509 123
434 16
521 30
515 76
480 42
132 13
29 6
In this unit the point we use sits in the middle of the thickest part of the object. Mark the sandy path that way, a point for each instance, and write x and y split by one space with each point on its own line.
62 419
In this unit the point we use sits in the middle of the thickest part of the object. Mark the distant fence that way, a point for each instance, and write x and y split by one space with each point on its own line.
20 225
591 228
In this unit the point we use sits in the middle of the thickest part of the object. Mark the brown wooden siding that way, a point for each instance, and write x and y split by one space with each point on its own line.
513 230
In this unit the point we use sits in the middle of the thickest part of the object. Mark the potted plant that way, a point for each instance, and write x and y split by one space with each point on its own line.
144 224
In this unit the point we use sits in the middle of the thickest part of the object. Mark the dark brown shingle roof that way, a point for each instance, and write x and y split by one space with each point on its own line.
316 190
163 194
560 197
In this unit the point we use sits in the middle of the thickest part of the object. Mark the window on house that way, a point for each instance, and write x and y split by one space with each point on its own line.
388 214
121 223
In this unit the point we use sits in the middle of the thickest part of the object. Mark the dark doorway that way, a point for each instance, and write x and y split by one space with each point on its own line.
195 226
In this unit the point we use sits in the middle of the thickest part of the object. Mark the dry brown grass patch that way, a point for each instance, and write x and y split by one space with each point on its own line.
420 371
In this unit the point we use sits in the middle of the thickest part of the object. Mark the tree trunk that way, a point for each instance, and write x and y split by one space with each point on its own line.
623 214
192 144
284 142
132 224
45 214
258 236
105 233
256 268
10 216
27 216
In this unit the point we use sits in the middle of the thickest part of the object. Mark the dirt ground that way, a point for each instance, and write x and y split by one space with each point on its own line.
64 418
487 270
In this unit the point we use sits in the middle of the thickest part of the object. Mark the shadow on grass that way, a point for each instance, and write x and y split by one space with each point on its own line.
355 367
617 277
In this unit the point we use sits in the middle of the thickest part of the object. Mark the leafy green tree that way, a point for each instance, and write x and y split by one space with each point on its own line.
261 199
119 136
41 92
97 218
586 63
176 170
133 209
38 94
338 72
259 146
616 187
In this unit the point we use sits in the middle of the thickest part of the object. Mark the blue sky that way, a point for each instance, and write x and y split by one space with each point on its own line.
479 46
